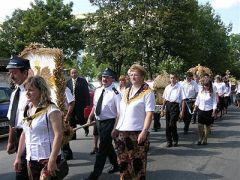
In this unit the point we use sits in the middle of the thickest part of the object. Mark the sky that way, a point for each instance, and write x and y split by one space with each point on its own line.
228 10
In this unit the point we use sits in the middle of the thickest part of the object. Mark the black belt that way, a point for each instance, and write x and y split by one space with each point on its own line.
105 120
172 102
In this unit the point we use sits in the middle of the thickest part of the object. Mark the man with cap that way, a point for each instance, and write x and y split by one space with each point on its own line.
18 72
105 108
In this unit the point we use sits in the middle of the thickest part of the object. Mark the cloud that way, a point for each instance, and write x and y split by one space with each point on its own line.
224 4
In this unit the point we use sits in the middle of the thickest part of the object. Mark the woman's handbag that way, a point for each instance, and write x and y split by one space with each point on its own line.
63 169
62 173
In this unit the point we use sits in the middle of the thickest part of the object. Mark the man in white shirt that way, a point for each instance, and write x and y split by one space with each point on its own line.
105 108
173 96
190 89
18 71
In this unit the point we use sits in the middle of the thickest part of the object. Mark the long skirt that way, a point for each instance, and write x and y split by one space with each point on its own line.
132 157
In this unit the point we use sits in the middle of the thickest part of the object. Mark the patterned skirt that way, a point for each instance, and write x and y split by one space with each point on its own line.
132 157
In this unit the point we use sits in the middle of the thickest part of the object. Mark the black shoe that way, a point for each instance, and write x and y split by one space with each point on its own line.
94 151
86 132
185 132
113 169
175 144
199 143
92 176
169 145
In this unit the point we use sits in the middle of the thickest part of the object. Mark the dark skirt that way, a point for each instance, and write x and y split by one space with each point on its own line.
205 117
227 101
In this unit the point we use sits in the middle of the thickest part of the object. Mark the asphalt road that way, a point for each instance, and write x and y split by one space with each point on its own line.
220 159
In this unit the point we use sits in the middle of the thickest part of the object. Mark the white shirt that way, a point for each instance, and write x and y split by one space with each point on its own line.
190 89
37 137
133 112
174 93
110 103
227 91
205 102
220 88
237 88
68 97
23 101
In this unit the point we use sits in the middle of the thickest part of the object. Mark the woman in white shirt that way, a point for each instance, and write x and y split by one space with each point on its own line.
42 130
132 129
206 103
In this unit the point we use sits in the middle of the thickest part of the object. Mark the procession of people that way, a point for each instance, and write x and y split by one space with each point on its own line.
122 115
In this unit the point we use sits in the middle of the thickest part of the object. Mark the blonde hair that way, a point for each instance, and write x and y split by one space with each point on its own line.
122 78
139 68
41 85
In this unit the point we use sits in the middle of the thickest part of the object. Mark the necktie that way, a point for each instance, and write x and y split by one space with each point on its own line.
14 107
74 87
99 104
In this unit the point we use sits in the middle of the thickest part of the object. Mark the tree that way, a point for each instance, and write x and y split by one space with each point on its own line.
50 24
234 56
212 40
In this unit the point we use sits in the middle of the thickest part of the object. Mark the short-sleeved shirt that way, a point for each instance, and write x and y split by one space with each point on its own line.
37 136
133 111
110 103
190 89
23 101
174 93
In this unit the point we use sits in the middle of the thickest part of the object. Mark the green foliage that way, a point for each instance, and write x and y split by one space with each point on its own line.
49 23
172 64
234 56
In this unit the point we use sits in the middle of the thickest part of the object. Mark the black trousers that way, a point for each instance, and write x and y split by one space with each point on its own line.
23 174
187 116
156 121
172 115
106 149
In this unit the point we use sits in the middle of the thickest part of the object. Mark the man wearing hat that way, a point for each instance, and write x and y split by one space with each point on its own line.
18 71
105 109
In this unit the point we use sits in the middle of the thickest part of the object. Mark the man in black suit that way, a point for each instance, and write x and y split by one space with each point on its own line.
79 88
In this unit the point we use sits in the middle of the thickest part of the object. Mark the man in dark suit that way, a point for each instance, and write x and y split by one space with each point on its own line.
79 88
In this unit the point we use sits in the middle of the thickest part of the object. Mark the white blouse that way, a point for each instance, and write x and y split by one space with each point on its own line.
220 88
133 112
205 102
37 136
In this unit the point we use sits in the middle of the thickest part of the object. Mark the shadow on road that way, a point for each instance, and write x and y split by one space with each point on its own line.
181 175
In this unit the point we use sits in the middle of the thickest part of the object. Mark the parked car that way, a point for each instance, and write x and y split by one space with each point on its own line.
5 94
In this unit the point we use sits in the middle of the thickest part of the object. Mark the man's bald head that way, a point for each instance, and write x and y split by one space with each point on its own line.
74 73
